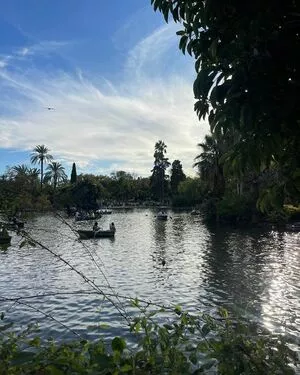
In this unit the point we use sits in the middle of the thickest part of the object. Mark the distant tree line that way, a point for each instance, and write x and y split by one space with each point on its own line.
219 190
24 187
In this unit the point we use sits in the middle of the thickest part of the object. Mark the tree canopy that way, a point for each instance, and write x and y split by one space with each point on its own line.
161 163
248 76
55 173
177 176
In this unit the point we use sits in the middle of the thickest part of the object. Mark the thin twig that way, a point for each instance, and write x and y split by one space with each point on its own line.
17 301
85 278
93 259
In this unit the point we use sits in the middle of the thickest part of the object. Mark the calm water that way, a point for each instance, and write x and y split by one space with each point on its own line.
252 272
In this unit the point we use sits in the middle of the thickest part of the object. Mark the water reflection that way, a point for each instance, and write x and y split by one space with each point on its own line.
253 272
160 240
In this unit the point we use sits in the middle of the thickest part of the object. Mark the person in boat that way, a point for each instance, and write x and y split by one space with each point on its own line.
95 227
112 227
16 222
4 232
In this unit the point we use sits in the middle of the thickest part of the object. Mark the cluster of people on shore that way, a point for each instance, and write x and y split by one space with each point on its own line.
96 227
80 215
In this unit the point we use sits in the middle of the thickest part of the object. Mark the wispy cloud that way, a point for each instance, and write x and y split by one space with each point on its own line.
44 47
114 122
3 64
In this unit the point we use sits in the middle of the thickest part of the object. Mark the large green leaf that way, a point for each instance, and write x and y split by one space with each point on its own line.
118 344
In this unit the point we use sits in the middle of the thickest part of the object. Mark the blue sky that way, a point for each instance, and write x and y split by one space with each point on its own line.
112 72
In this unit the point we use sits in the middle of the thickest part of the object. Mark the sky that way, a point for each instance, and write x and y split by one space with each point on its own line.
113 76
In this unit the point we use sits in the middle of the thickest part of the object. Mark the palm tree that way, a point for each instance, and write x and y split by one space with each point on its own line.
209 164
56 173
161 163
20 170
40 155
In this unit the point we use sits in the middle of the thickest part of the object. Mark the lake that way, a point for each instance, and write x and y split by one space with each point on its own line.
252 272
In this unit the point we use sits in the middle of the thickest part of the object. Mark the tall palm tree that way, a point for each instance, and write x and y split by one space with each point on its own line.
56 173
40 155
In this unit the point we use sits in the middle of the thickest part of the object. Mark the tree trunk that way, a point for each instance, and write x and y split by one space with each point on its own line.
42 173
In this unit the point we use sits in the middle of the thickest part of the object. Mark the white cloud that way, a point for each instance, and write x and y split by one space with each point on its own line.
106 122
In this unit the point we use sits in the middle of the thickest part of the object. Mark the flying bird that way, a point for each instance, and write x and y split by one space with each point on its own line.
50 108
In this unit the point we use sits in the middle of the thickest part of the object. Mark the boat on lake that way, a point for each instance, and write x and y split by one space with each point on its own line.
104 211
11 225
293 227
86 234
162 215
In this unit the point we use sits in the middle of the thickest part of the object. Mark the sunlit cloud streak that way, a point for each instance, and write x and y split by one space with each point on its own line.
98 122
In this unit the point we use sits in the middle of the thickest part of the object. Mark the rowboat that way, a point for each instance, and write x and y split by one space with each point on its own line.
104 211
85 234
293 227
162 216
12 225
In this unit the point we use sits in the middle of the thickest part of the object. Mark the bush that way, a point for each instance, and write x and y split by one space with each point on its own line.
229 209
235 208
292 212
184 345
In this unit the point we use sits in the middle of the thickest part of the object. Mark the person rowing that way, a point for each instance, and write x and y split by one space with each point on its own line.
96 227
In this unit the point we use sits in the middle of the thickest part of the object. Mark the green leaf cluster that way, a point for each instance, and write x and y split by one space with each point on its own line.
177 344
247 80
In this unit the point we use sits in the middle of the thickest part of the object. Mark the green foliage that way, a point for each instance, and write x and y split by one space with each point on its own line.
177 176
292 212
184 344
235 208
209 163
73 174
158 178
232 208
55 173
19 190
85 193
40 155
247 80
190 193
